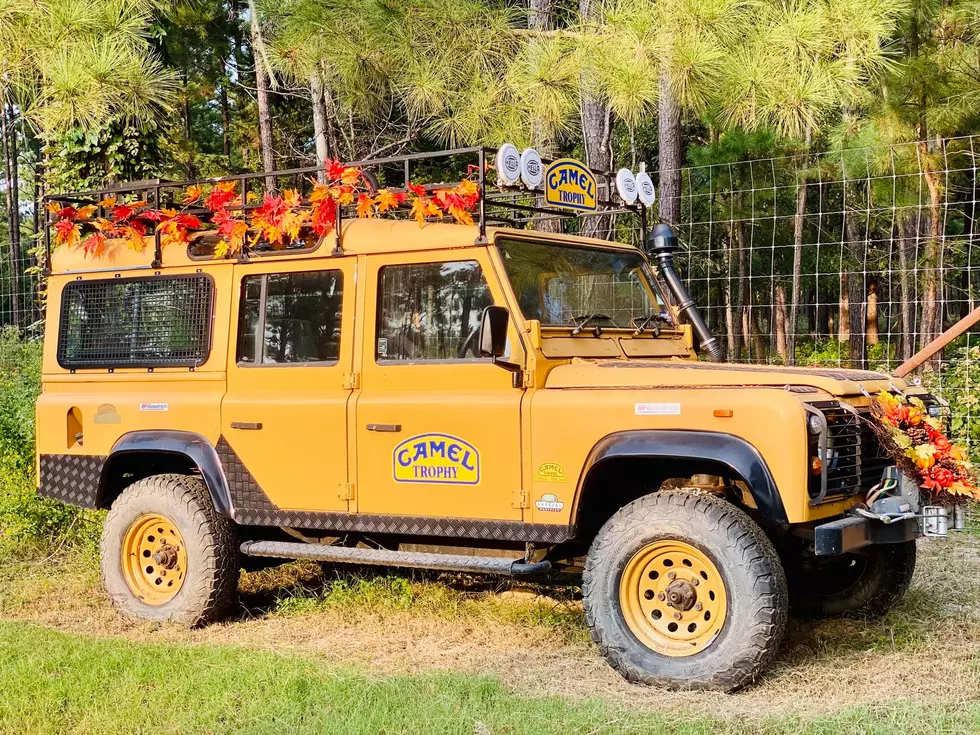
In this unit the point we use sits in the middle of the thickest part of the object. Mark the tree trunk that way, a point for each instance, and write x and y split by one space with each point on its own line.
857 246
799 222
670 153
871 328
330 107
931 309
186 109
744 294
782 321
539 19
597 125
266 142
12 181
843 312
756 327
225 123
907 236
319 123
732 325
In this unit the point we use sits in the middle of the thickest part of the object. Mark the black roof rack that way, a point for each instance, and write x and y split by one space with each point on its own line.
508 205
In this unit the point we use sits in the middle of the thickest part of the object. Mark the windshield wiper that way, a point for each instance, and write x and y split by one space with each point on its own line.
644 322
581 321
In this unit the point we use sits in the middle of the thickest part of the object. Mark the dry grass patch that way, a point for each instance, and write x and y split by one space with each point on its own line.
534 639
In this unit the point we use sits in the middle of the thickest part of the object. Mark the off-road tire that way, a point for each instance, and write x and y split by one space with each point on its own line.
211 582
830 592
745 558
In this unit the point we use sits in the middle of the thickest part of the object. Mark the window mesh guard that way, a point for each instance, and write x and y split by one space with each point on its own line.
136 322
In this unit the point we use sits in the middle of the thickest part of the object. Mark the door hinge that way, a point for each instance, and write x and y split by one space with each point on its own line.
346 491
352 381
522 499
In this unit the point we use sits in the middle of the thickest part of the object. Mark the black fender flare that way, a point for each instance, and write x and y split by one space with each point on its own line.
193 446
733 452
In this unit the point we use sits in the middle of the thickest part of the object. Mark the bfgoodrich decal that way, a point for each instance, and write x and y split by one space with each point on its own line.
436 459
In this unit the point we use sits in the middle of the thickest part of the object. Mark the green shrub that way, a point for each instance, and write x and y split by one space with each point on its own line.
25 519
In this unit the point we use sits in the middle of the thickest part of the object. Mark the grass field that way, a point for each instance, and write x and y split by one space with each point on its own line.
329 653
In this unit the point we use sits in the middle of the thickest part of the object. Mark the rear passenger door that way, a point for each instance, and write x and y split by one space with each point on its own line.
285 412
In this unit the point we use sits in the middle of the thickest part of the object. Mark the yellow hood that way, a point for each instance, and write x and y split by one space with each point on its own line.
675 373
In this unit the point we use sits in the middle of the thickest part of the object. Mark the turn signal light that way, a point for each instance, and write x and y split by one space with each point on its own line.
816 465
724 413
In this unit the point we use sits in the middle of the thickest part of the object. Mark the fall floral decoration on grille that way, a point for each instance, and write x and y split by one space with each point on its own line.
279 220
921 449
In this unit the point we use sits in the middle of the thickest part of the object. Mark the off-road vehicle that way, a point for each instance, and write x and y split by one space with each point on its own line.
461 397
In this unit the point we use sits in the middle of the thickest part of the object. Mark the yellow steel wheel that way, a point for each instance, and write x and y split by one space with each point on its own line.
673 598
154 559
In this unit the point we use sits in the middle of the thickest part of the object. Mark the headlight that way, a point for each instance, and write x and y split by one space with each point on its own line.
934 409
814 424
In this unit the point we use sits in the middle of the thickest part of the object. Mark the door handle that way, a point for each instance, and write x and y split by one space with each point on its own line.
247 425
389 428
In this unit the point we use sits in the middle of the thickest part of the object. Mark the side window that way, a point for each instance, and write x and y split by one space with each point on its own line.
290 318
430 311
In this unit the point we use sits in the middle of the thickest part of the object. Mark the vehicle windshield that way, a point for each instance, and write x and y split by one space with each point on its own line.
571 285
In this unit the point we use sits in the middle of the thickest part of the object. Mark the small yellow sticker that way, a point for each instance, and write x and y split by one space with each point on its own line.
550 472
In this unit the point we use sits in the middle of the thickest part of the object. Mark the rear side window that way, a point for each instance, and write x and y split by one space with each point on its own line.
430 311
136 322
290 318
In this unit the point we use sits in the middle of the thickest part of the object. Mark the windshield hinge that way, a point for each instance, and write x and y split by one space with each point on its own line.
352 381
522 499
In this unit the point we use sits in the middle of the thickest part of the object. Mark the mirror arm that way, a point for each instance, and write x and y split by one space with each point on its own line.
511 367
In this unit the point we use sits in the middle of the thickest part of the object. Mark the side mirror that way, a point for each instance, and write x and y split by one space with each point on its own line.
493 332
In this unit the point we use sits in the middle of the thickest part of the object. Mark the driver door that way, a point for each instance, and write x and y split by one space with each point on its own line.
438 428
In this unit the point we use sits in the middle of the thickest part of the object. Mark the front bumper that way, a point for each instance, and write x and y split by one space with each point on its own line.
854 532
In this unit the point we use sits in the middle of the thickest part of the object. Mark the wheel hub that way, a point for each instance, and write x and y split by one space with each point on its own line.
681 595
673 598
154 560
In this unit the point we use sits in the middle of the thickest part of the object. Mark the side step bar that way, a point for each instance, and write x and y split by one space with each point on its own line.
385 557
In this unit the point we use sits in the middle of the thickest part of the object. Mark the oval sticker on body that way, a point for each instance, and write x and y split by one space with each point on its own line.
436 458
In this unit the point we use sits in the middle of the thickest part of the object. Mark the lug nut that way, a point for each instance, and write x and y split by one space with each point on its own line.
695 581
672 575
677 616
661 597
699 607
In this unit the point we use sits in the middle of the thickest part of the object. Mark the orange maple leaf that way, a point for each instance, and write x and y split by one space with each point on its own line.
386 200
109 201
365 205
86 211
192 194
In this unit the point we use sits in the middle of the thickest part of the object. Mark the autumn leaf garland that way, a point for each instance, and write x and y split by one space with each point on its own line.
918 444
278 220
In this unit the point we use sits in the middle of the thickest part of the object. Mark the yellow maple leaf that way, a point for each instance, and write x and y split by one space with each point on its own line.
53 207
86 211
221 249
291 198
192 194
461 216
923 455
385 200
418 211
169 213
350 176
467 188
134 239
292 222
345 197
109 201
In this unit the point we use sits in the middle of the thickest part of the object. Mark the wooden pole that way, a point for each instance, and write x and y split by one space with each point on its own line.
938 343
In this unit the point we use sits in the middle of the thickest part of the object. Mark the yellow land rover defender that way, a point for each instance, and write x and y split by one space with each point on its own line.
391 393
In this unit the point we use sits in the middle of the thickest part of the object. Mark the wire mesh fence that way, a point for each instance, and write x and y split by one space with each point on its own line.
852 258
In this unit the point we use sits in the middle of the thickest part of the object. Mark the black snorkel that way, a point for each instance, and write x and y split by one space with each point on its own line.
661 244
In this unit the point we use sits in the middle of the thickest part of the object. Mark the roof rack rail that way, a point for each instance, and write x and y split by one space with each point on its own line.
511 202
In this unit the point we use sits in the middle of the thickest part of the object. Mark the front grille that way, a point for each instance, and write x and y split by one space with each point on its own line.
873 457
855 458
843 456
